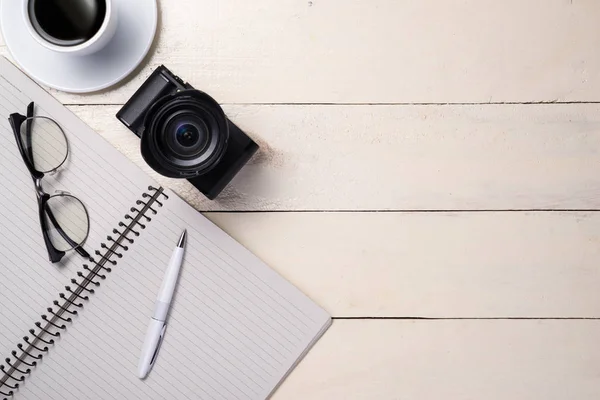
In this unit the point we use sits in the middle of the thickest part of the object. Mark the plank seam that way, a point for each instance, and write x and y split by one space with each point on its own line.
401 211
498 103
470 318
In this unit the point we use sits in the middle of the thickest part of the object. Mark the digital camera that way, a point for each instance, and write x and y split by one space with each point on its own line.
185 134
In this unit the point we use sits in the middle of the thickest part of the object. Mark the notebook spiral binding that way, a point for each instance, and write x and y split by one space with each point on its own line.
49 328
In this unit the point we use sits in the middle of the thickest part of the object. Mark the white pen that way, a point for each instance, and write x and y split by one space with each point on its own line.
157 327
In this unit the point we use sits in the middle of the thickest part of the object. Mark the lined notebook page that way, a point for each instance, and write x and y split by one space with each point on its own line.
105 181
235 330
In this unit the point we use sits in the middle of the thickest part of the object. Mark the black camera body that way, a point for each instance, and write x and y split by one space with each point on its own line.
185 134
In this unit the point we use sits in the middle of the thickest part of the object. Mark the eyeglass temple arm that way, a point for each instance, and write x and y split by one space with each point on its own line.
82 252
64 235
53 254
30 110
16 120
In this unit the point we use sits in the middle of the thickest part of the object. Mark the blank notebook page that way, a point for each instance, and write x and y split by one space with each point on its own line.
236 327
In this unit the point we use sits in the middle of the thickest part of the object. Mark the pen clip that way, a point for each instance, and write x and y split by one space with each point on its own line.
158 344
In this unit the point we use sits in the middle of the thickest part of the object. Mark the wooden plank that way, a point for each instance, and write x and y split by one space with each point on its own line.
432 264
403 157
432 360
380 51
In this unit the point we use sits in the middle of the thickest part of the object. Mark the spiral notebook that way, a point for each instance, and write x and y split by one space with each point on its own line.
236 328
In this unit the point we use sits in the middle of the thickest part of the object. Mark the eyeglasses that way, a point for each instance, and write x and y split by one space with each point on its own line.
44 147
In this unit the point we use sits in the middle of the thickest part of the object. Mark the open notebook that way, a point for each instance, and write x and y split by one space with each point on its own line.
236 328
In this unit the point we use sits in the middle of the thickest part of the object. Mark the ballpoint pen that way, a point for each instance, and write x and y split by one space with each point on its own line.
157 327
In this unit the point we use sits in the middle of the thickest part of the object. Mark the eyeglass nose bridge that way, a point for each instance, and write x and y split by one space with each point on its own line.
38 187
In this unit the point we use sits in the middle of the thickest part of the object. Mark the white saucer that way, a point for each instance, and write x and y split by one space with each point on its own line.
81 74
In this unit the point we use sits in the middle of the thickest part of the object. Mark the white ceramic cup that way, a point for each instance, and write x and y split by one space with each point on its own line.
92 45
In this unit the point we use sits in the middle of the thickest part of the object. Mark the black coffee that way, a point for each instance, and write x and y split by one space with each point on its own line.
67 22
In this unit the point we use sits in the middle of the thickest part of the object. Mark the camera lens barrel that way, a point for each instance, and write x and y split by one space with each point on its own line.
185 135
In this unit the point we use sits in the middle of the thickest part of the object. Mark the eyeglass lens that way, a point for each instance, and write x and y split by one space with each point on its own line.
45 143
67 221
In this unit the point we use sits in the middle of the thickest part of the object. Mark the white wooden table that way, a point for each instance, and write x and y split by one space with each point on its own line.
429 173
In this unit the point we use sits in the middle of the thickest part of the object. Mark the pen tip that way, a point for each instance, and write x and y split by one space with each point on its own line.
182 239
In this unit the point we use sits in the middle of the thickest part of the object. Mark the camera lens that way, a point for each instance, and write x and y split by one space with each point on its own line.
187 135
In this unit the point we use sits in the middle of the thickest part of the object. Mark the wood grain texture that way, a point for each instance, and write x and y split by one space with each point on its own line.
409 157
443 265
402 157
380 51
492 360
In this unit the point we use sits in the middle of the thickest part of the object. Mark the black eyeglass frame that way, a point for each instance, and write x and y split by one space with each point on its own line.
16 121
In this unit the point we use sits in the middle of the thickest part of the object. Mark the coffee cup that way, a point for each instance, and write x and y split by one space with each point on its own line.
78 27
